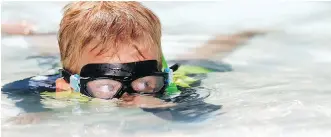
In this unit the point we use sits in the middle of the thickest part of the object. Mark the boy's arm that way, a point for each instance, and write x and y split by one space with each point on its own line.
220 45
22 28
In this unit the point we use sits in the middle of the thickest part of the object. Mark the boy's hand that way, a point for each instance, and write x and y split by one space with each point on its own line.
28 118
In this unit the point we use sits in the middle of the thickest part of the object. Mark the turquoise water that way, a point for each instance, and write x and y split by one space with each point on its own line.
279 85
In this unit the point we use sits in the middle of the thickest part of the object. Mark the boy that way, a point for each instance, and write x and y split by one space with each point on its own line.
113 50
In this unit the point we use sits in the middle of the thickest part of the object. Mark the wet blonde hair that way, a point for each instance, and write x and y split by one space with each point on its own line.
119 23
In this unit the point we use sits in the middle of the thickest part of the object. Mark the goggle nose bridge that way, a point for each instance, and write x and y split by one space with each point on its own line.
126 88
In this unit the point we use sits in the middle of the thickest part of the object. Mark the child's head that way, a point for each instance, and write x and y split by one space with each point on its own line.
108 32
114 46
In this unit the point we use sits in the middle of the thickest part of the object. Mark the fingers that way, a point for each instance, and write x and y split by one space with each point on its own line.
250 33
232 40
241 37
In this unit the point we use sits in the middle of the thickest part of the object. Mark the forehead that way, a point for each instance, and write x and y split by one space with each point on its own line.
124 53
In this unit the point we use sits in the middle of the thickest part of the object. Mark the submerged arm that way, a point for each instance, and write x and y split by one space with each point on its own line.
220 45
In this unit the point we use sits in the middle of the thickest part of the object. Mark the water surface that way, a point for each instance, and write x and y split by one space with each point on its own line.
279 85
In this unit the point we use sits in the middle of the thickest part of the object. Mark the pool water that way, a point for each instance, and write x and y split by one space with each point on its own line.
279 85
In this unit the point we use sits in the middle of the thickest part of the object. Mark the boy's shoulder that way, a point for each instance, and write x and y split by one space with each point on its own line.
35 84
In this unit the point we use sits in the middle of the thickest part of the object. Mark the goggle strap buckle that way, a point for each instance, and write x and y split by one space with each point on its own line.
75 82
